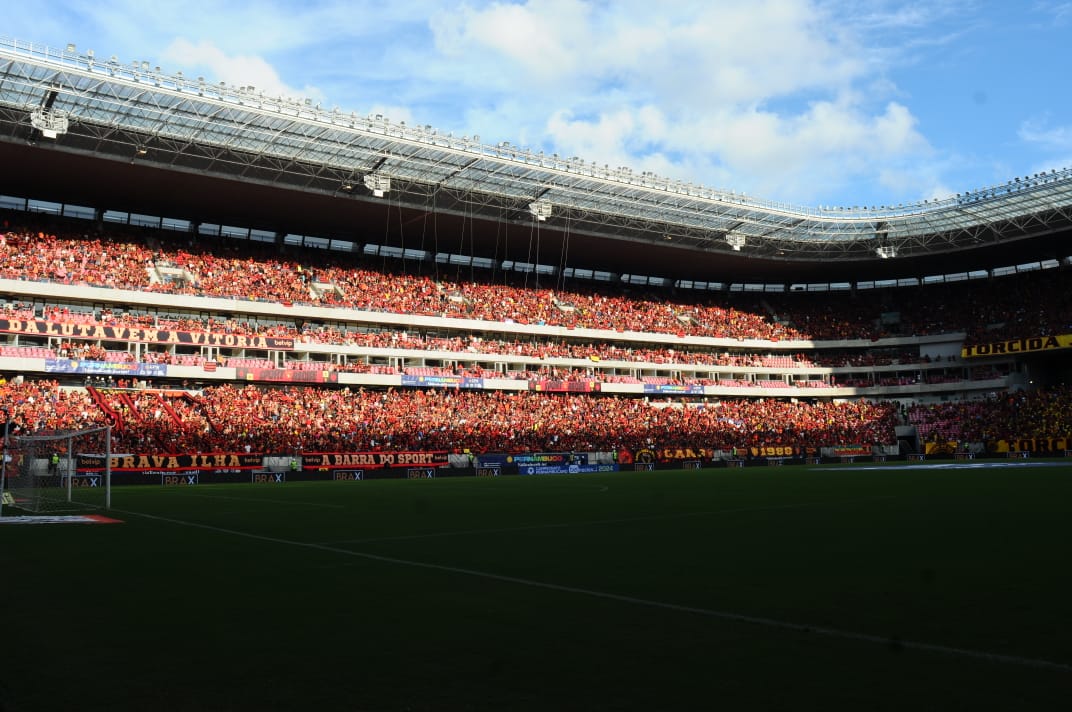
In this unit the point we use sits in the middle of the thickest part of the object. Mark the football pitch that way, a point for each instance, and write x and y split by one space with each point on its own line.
796 588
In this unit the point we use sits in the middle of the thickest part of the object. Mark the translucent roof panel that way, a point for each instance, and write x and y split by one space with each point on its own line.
103 100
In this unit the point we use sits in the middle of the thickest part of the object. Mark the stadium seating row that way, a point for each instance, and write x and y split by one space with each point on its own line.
110 261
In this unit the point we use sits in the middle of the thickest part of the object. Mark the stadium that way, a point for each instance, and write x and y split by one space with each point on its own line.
380 417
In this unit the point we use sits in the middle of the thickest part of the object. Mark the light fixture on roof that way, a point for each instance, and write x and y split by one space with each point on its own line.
379 185
735 241
540 209
141 151
52 123
886 251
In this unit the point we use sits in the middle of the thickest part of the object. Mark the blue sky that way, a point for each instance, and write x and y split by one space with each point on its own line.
810 102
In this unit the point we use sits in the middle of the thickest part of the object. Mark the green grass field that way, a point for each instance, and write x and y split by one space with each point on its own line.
765 588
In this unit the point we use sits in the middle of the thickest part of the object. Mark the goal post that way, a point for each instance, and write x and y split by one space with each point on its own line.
40 473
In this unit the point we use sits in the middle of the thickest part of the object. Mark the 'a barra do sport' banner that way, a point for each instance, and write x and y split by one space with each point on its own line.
372 460
1034 344
143 335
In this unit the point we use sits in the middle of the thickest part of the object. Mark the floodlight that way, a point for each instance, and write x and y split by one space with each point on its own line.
886 251
52 123
540 209
735 241
379 185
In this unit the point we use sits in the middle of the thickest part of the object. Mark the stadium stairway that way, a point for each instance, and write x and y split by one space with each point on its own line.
115 416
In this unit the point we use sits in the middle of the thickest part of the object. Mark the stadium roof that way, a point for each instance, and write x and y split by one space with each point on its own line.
170 144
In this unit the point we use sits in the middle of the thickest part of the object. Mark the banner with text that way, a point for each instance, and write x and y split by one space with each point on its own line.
372 460
143 335
443 381
208 463
286 375
565 386
1039 446
1035 344
532 459
692 389
104 368
850 450
941 447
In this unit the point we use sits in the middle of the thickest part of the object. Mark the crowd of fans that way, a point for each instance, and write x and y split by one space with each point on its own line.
1030 305
237 417
242 418
1043 413
248 418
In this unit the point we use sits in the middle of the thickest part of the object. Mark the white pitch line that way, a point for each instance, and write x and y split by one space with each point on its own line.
826 631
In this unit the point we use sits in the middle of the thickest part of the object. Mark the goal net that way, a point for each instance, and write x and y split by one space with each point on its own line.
61 472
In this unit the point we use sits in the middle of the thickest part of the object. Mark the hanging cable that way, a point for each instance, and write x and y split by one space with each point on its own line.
435 233
386 236
531 266
401 234
472 244
461 242
561 284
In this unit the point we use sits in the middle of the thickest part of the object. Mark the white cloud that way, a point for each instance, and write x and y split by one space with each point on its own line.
775 97
1040 133
711 53
1054 141
1055 14
540 38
